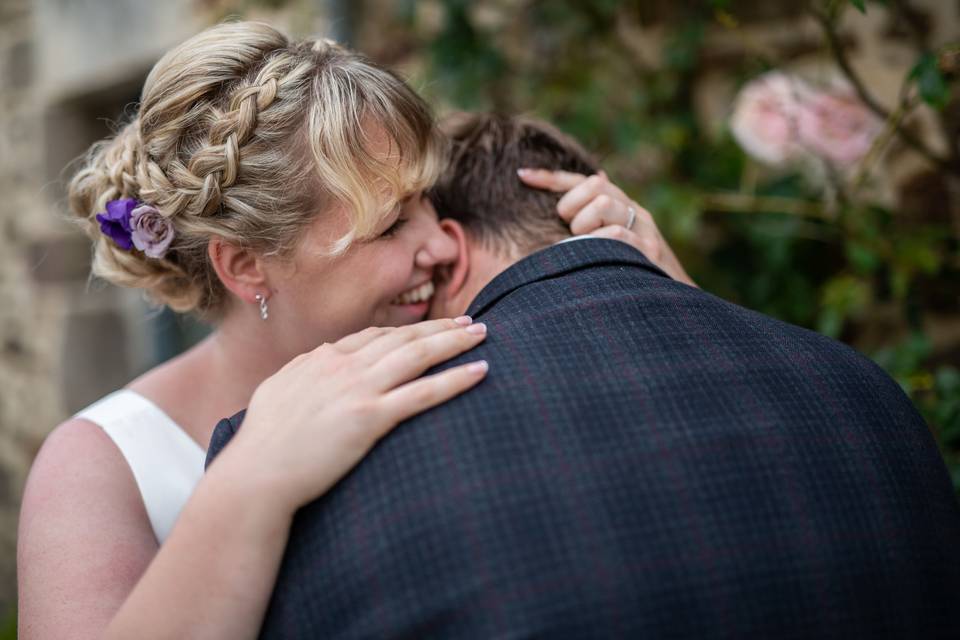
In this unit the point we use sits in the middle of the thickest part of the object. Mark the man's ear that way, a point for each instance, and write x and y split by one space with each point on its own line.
454 275
240 270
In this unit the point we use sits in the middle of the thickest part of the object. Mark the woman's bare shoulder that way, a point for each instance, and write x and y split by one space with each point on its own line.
79 461
84 536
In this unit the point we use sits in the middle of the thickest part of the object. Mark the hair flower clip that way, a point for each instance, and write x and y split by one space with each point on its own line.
133 224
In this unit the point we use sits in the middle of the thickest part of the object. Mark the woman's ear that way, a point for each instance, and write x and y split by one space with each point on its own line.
454 276
240 270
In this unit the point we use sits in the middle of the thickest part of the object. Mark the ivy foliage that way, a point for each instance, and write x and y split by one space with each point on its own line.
816 253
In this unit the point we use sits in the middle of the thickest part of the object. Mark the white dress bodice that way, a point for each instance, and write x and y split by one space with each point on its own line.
166 463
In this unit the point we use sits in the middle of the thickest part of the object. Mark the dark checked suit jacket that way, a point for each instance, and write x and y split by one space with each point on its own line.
644 460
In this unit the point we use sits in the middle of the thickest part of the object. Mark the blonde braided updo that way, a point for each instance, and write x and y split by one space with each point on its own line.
244 134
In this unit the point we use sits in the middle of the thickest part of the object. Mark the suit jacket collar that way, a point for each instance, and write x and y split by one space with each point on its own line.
557 260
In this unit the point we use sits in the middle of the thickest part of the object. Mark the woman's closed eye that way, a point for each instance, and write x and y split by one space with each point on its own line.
392 229
404 214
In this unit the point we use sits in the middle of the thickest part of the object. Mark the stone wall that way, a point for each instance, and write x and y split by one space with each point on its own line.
28 341
63 341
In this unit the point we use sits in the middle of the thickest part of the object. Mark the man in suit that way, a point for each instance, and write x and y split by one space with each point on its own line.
643 460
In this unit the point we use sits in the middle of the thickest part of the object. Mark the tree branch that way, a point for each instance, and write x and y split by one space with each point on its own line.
747 203
906 16
840 57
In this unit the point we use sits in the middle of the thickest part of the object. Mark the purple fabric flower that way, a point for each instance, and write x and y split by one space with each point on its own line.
115 222
152 232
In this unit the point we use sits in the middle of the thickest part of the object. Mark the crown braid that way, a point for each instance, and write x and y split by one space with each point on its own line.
246 135
194 185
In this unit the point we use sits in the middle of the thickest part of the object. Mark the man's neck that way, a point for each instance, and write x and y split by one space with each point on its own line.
493 264
484 267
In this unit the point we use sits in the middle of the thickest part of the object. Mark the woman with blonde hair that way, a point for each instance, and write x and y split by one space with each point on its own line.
274 188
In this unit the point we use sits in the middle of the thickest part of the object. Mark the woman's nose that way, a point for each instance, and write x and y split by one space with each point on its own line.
439 249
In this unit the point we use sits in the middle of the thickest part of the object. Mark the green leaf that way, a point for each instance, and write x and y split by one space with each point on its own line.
917 253
677 210
861 5
830 322
930 81
841 297
846 293
904 358
862 257
948 379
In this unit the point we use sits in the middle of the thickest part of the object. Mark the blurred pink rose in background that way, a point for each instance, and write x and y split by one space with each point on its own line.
764 120
778 118
837 126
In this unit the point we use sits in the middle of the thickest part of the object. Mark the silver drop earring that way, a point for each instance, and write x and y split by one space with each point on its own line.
264 312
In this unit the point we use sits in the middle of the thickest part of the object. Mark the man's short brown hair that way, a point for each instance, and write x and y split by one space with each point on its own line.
480 187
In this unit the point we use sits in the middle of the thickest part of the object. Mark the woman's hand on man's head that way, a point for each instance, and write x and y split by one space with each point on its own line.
594 205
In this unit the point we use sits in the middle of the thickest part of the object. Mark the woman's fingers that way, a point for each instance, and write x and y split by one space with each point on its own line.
421 394
559 181
593 204
580 196
360 339
383 344
579 190
592 188
601 211
409 360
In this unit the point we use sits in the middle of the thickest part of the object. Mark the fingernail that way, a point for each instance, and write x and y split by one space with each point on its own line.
524 172
478 328
463 320
480 366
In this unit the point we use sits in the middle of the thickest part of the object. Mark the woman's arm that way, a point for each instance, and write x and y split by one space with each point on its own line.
213 576
85 542
83 549
84 538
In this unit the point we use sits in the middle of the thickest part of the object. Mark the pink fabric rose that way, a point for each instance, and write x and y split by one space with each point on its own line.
764 120
151 231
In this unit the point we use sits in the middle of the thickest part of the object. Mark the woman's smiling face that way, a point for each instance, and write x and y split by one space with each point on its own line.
384 280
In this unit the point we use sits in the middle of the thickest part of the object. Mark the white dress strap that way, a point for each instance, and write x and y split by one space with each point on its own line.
166 463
